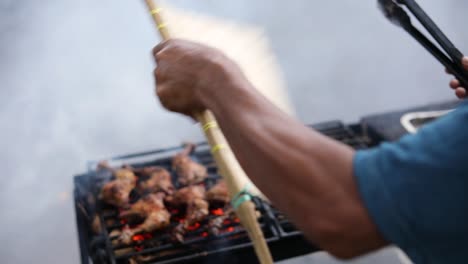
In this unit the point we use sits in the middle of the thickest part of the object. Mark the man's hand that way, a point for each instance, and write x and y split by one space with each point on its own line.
455 84
187 74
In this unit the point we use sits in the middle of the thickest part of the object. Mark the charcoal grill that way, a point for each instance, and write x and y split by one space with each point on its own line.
232 245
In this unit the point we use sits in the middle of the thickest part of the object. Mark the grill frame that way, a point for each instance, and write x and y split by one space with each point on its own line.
284 239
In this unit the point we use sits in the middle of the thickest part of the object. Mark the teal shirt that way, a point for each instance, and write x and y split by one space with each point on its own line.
416 190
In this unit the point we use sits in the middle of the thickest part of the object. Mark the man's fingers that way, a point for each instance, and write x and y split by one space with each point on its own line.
465 62
160 72
460 92
454 84
160 47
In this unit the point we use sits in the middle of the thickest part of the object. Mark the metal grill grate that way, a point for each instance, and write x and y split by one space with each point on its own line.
157 247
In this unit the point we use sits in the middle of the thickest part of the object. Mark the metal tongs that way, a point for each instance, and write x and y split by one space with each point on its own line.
450 57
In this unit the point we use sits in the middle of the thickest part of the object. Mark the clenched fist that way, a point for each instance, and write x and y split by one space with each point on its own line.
188 75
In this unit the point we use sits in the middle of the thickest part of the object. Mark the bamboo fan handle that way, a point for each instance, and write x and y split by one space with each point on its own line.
227 163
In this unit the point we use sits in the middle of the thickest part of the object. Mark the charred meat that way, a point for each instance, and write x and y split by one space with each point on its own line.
218 193
152 209
117 192
189 172
193 197
158 180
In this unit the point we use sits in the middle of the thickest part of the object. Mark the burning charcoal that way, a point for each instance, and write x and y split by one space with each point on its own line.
188 171
216 224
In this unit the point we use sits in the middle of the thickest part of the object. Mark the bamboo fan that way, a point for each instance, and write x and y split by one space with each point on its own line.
243 45
247 45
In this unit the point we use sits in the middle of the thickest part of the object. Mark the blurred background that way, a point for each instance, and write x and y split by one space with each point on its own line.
76 85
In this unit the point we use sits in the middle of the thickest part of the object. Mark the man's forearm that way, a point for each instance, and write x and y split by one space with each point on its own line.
305 174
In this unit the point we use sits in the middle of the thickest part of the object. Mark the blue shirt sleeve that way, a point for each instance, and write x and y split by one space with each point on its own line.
416 190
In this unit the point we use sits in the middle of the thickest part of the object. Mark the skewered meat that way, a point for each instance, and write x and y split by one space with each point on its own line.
218 193
158 180
117 192
189 171
152 208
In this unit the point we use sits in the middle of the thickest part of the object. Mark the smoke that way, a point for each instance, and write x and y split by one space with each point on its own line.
76 85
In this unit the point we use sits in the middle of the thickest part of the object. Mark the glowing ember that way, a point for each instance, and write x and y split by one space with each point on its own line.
194 227
204 234
138 238
141 237
218 212
230 229
139 248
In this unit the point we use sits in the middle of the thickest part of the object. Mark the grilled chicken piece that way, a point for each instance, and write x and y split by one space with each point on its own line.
159 179
185 195
218 193
152 208
154 221
146 205
117 192
189 171
197 208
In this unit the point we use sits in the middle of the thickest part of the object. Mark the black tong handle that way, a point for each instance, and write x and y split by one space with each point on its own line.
434 30
453 62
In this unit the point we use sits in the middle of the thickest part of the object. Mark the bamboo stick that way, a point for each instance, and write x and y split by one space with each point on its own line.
227 163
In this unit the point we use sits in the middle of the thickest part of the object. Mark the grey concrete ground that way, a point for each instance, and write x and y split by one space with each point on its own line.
76 85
